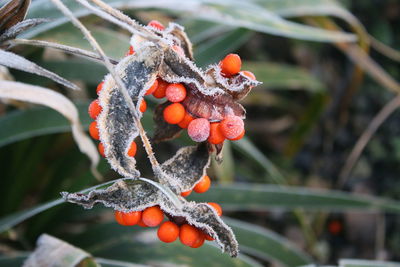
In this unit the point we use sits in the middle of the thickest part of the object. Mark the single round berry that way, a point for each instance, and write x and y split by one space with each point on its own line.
239 137
175 92
156 24
143 106
203 185
94 109
216 137
178 50
131 51
152 216
160 90
101 149
152 88
174 113
189 235
168 232
94 131
128 218
132 149
249 74
200 241
231 65
186 193
199 129
186 120
99 88
217 207
231 126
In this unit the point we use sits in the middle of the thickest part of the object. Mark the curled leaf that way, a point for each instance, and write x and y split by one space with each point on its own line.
56 101
14 61
134 195
116 122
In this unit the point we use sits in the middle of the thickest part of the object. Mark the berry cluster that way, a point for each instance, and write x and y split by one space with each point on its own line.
173 228
201 129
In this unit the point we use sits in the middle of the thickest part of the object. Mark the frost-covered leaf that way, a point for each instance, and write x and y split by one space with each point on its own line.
51 251
13 31
133 195
185 169
43 96
12 60
12 13
116 122
178 32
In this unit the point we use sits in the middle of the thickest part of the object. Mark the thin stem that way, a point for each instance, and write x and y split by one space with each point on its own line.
118 80
358 148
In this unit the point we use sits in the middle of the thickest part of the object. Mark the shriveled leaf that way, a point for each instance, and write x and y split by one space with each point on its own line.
12 60
12 13
134 195
13 31
51 251
186 168
56 101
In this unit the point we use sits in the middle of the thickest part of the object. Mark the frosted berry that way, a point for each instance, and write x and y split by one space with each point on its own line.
128 218
132 149
203 185
190 235
94 109
175 92
174 113
231 126
186 193
217 207
168 232
152 216
143 106
186 120
231 65
99 88
101 149
216 136
249 74
199 129
160 90
156 24
239 137
152 88
94 131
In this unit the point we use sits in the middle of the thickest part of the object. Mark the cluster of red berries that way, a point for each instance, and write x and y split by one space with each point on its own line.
201 129
170 230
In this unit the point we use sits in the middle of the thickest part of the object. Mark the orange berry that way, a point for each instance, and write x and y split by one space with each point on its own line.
132 149
152 88
175 92
99 88
232 126
249 74
160 90
141 223
190 235
203 185
217 207
131 51
168 232
152 216
94 109
216 137
240 136
231 65
208 237
200 241
186 120
335 227
174 113
101 149
143 106
94 131
128 218
156 24
185 194
199 130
